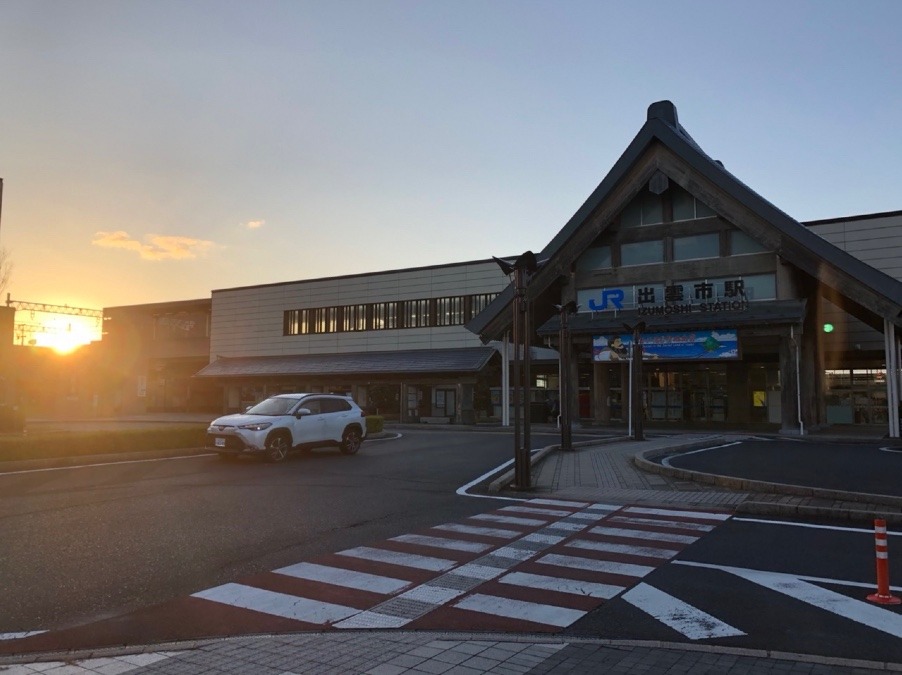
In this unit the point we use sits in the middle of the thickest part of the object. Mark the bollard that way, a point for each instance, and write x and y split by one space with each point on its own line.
883 595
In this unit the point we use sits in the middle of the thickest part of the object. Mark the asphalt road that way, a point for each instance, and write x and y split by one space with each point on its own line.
778 584
81 544
872 467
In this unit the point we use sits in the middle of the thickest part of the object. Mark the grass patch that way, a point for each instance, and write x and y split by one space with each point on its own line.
55 444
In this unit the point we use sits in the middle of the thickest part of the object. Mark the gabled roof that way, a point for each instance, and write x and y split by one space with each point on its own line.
841 272
407 362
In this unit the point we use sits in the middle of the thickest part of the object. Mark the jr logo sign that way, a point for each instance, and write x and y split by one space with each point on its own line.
609 296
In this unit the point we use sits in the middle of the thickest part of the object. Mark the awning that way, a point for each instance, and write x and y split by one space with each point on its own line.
406 362
758 315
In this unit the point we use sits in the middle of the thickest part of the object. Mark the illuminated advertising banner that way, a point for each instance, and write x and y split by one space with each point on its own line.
698 345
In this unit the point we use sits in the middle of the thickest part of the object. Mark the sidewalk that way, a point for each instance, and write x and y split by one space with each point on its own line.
607 470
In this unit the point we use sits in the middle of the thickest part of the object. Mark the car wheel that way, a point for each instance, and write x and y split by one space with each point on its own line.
277 448
350 441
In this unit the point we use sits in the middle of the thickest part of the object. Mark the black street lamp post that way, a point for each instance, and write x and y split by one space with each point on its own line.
565 397
521 269
636 372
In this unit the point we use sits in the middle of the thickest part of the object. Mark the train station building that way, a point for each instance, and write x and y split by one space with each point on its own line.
749 318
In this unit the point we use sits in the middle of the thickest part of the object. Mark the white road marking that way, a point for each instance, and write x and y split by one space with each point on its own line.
481 531
421 562
666 460
509 520
18 636
441 542
574 562
644 534
675 524
626 549
559 502
572 586
682 617
91 466
277 604
835 528
514 553
535 511
549 539
344 578
701 515
372 620
548 615
856 610
477 571
816 580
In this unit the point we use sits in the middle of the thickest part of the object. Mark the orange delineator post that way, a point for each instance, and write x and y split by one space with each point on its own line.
883 595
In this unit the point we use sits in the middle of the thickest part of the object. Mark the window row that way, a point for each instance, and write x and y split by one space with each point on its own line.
423 313
691 247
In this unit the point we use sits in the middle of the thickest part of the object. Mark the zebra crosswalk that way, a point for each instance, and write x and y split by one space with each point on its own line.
540 565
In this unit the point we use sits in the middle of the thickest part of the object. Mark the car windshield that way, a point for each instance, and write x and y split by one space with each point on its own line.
273 406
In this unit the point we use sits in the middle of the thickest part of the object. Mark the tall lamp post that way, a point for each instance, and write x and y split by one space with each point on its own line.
521 269
564 355
636 378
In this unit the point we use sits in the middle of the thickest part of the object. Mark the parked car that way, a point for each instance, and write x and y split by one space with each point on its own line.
279 424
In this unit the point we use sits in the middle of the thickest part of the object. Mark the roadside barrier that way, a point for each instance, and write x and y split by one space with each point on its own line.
883 595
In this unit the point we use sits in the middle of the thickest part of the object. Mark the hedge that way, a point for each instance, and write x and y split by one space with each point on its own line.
54 444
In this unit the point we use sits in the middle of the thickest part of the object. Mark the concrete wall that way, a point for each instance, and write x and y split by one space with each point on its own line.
875 240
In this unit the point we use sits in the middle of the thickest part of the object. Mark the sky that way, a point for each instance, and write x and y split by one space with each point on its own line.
155 150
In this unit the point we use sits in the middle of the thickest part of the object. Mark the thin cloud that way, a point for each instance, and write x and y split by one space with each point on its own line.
255 224
154 246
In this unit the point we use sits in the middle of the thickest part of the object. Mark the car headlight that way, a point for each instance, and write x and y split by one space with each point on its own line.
256 426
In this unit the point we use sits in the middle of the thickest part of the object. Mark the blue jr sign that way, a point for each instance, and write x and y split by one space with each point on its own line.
613 296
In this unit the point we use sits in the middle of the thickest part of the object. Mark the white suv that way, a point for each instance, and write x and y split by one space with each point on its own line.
279 424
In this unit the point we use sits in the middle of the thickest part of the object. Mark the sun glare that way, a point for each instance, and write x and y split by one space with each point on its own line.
65 334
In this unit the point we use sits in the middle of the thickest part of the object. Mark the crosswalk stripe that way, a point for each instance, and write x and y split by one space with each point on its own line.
701 515
611 567
336 576
644 534
607 547
535 511
421 562
372 620
548 615
539 538
509 520
514 553
481 531
561 585
277 604
441 542
559 502
681 616
476 571
674 524
566 527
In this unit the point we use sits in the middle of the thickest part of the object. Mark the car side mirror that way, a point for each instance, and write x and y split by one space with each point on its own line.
301 412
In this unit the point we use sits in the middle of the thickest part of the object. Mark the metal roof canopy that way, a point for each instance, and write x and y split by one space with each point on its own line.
406 362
